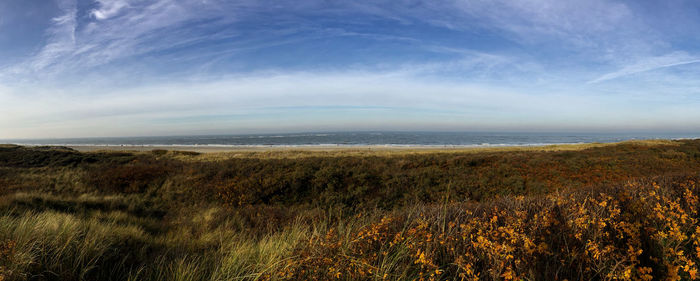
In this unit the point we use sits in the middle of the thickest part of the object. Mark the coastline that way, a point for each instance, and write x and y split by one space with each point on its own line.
349 148
267 148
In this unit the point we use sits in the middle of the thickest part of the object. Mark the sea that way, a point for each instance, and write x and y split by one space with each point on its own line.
399 139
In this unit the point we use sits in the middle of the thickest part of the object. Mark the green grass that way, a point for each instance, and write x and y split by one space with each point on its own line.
113 244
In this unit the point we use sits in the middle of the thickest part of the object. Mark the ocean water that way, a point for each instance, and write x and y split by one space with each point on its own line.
440 139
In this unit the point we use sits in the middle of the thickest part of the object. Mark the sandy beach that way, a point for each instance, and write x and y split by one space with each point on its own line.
352 148
219 149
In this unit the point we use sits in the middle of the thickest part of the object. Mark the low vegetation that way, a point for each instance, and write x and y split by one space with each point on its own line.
604 212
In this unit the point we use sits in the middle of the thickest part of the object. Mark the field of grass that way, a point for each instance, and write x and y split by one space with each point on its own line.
626 211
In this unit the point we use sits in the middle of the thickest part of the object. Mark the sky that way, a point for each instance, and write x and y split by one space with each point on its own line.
98 68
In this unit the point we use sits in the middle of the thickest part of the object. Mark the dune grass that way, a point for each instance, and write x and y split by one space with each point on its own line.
375 151
644 230
76 244
613 212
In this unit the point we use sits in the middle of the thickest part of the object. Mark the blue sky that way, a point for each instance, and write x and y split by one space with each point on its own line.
73 68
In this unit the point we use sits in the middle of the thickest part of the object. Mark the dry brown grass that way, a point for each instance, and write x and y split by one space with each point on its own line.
223 153
625 211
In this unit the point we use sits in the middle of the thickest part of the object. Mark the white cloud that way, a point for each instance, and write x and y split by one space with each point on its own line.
532 21
531 94
268 100
649 64
109 8
61 38
121 29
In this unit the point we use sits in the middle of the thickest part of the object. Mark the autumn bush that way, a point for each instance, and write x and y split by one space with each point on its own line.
617 212
642 230
133 177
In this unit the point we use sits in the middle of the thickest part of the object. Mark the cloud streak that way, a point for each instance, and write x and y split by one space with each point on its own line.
61 37
467 64
109 8
123 29
241 102
113 34
649 64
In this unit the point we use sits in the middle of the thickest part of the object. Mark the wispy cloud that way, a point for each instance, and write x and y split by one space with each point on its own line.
117 29
61 38
497 62
109 8
262 98
649 64
576 23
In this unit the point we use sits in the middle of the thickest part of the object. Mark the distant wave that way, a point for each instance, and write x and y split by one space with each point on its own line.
356 139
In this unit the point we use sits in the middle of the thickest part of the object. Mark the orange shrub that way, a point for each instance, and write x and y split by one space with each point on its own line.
638 231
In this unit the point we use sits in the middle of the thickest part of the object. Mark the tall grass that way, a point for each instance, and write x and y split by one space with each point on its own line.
625 212
58 246
113 245
641 230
